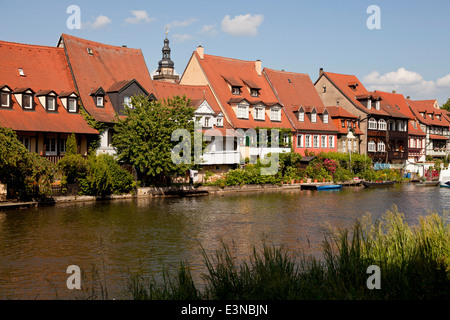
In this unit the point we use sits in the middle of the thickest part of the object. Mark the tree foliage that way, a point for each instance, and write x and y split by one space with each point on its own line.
20 169
143 138
446 106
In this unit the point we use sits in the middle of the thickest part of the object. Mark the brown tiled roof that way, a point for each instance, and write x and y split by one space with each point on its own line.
427 106
45 68
107 66
296 90
217 69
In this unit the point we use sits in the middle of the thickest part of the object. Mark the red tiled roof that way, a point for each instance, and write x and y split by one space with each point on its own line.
295 90
45 68
437 137
418 106
342 81
394 104
338 113
106 66
217 69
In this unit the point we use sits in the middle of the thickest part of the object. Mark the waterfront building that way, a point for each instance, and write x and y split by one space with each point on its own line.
106 77
315 130
413 149
245 98
346 122
349 93
435 124
40 101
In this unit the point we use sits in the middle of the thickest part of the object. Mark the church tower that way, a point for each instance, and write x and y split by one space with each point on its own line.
165 71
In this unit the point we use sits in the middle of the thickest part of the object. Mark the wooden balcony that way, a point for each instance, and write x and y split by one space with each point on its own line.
397 155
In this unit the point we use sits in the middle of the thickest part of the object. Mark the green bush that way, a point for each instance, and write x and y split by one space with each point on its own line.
342 175
104 176
73 167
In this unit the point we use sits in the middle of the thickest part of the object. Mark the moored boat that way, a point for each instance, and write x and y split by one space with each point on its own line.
329 186
378 184
427 183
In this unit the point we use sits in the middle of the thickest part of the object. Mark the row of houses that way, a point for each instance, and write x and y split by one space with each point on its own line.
42 90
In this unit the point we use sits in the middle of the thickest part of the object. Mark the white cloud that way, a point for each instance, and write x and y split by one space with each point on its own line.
100 22
181 37
242 25
209 29
139 16
444 81
183 23
406 82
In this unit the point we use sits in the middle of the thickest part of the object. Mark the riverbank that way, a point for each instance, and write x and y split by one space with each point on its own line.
170 191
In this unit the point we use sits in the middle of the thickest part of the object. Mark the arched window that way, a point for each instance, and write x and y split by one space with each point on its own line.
381 146
382 124
372 146
372 124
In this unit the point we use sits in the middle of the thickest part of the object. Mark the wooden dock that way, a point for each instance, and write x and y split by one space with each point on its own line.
18 205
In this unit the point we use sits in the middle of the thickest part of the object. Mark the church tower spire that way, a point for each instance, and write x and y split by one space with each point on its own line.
165 71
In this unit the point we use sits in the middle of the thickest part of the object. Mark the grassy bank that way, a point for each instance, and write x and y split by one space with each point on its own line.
414 263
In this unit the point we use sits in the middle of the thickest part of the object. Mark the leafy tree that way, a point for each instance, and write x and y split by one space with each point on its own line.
71 145
446 106
73 166
20 169
143 138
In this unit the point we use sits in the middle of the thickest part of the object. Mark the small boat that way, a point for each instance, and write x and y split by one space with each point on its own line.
444 178
378 184
329 186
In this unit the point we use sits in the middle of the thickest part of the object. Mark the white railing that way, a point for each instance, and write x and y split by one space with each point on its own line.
221 157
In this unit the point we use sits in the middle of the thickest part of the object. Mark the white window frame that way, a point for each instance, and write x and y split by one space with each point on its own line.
330 141
308 141
372 146
377 105
207 121
242 111
323 141
285 139
70 107
254 92
8 97
301 116
300 143
219 122
48 149
259 113
30 106
372 124
381 146
382 126
275 114
236 90
127 102
314 116
100 101
316 142
343 145
325 117
53 108
369 104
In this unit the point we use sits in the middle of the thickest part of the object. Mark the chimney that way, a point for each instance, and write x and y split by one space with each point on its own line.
320 72
258 67
200 51
394 91
408 97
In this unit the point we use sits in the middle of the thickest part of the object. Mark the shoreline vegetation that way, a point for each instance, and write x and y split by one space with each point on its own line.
414 264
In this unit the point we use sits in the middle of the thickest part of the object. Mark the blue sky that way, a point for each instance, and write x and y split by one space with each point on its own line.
409 53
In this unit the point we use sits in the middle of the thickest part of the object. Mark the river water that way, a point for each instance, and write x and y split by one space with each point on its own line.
111 240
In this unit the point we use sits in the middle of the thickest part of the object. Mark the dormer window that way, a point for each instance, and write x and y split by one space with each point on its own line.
100 101
72 106
69 101
90 51
21 72
219 122
242 111
325 117
377 105
313 116
235 90
127 102
27 101
438 116
259 113
369 104
301 115
5 95
254 92
51 103
275 114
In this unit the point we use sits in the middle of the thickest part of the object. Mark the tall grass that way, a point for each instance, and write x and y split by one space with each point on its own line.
414 263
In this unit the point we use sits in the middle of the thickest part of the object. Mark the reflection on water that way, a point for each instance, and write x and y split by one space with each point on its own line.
150 234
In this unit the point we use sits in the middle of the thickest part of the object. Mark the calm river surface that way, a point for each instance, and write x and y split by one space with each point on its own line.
123 237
